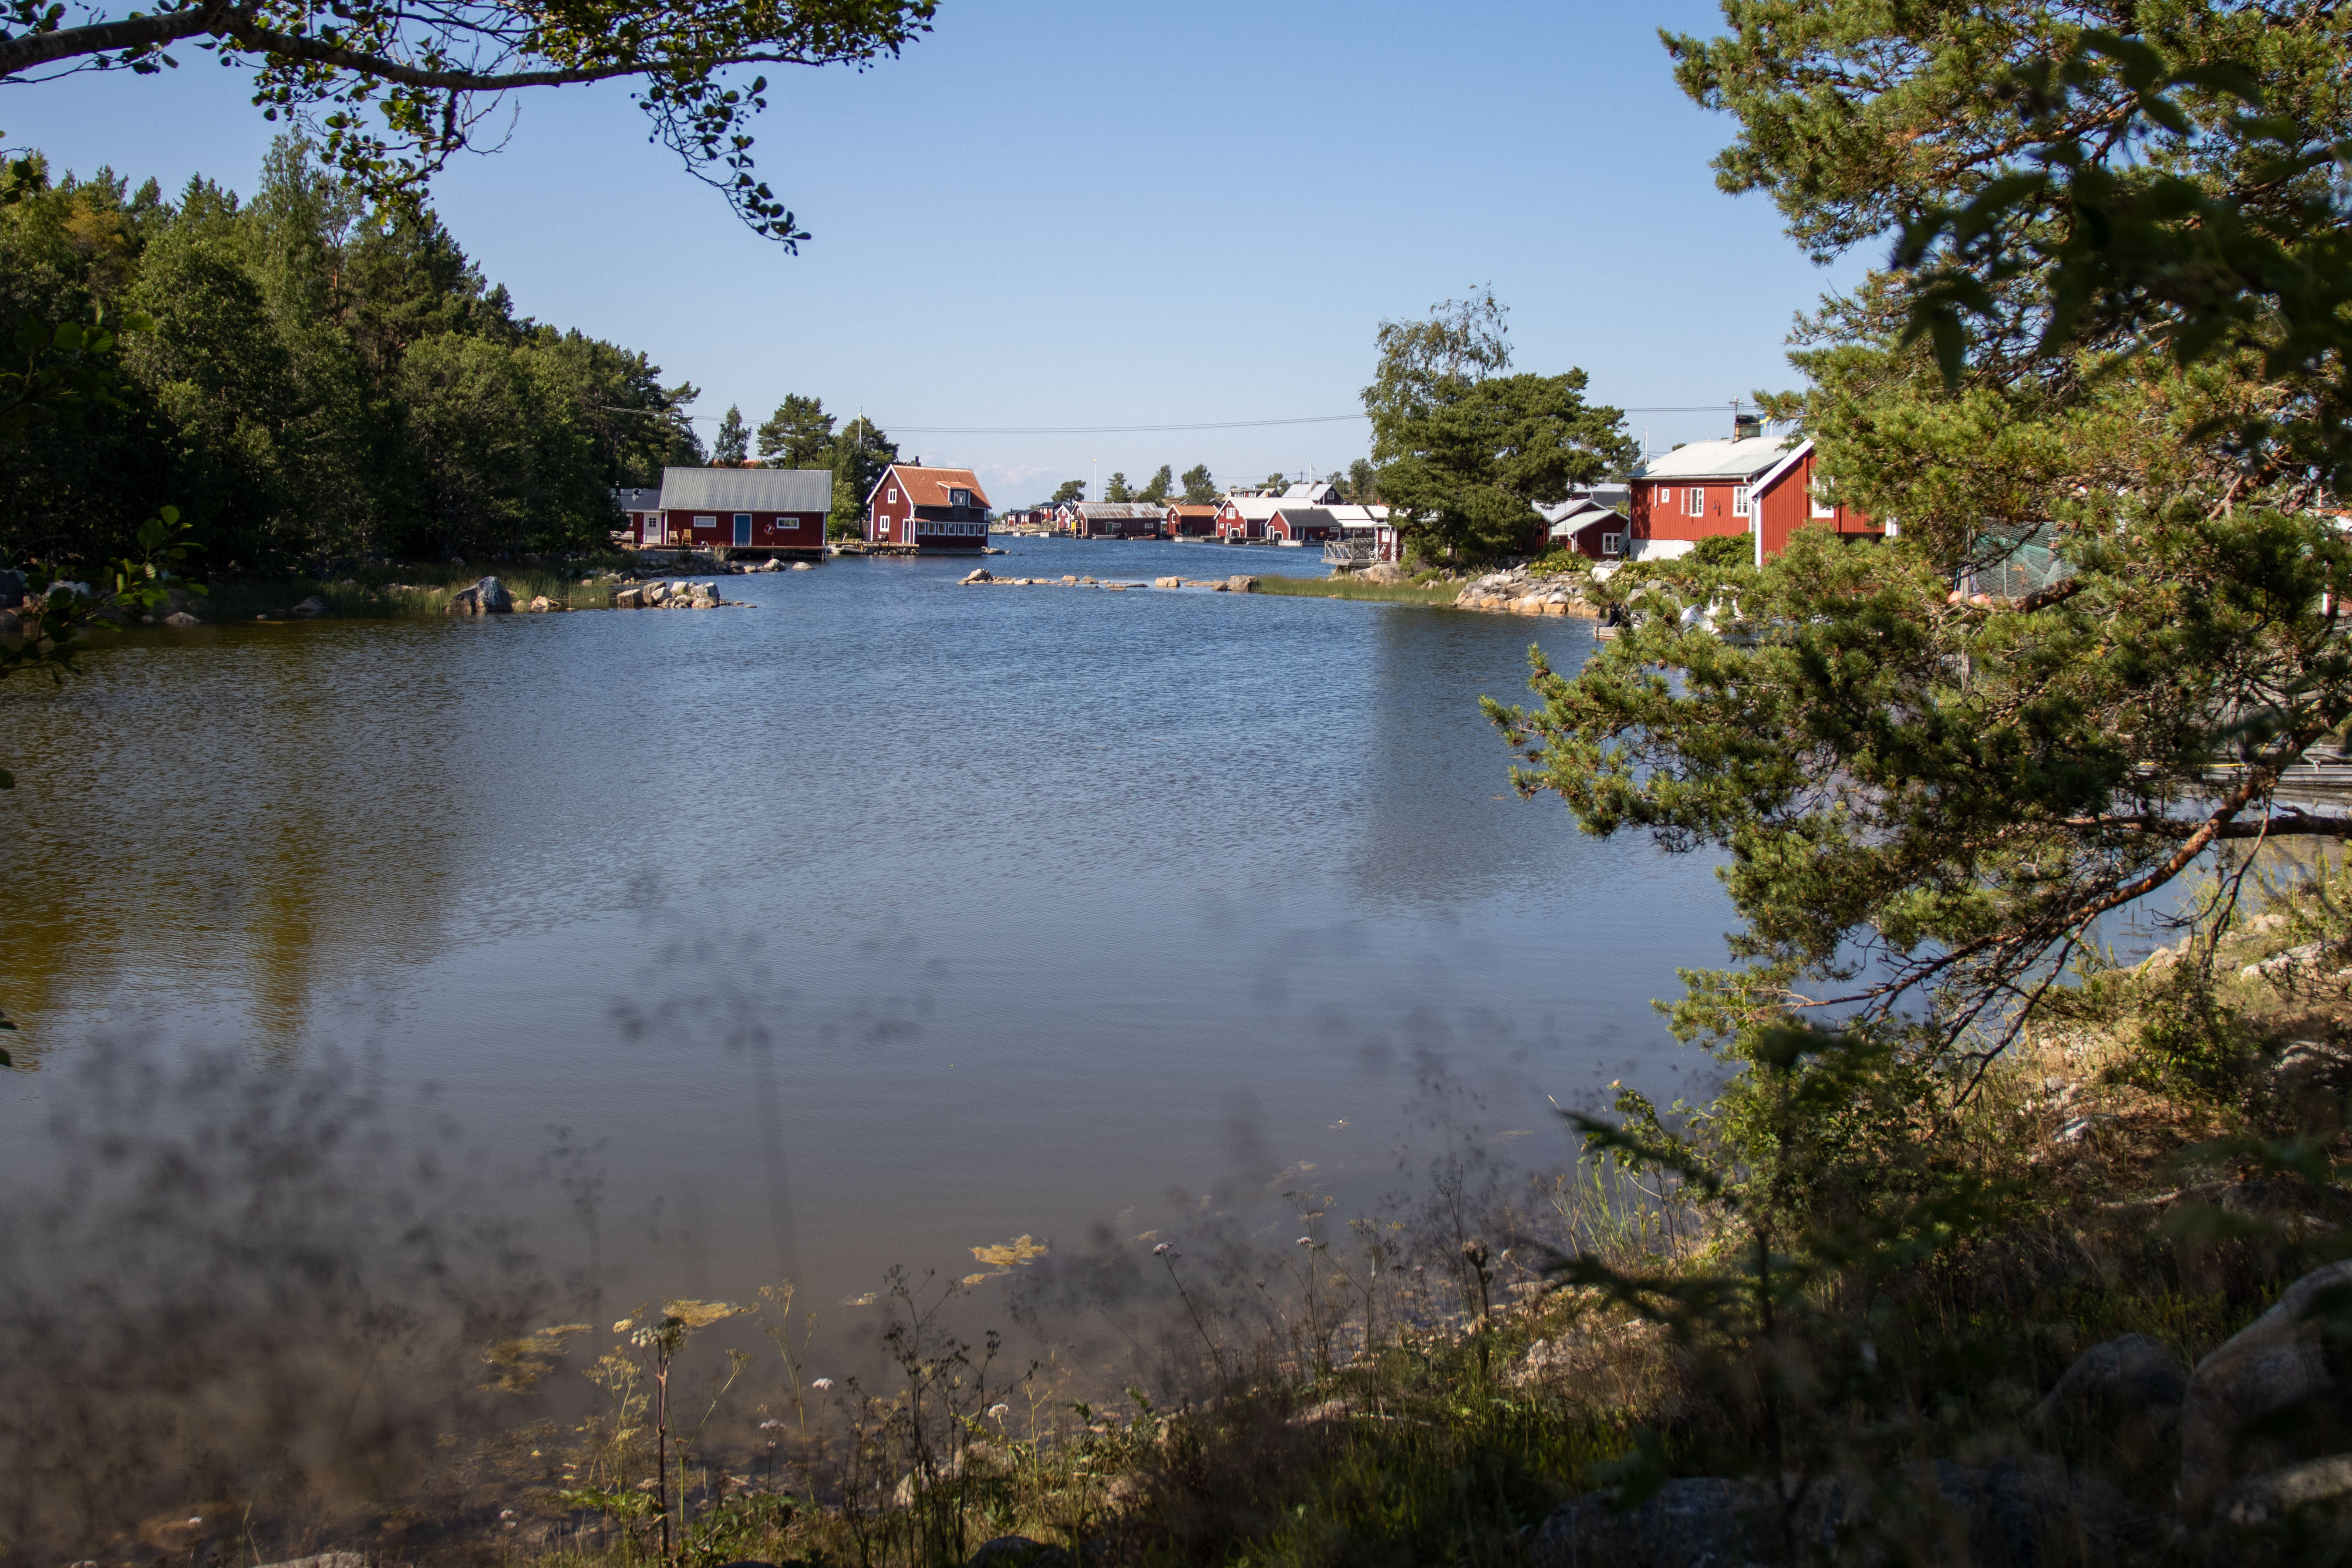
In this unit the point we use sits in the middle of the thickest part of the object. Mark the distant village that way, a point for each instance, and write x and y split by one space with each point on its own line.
1750 483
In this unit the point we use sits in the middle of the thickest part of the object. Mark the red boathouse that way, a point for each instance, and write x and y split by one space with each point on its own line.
928 508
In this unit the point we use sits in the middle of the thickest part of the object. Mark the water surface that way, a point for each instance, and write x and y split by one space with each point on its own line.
884 920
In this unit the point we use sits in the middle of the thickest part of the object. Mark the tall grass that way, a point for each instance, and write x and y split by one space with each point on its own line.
1421 593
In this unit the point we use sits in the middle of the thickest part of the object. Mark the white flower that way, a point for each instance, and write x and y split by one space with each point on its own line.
1162 1250
822 1384
999 1411
1305 1241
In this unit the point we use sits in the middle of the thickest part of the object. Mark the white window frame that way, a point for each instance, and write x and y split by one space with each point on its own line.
1663 496
1824 506
1612 544
1695 501
1742 502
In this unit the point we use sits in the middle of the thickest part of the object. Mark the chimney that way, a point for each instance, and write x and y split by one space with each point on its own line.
1744 425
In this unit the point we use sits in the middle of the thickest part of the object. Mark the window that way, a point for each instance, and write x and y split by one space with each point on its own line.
1739 502
709 522
1664 496
959 498
1612 544
1824 504
894 492
1695 501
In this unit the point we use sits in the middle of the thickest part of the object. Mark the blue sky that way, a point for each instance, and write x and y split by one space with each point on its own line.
1130 212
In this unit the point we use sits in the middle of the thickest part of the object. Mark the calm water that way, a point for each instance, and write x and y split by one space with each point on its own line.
883 920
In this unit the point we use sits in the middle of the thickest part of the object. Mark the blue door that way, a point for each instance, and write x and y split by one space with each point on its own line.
743 527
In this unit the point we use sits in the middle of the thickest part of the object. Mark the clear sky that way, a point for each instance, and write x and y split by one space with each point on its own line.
1129 212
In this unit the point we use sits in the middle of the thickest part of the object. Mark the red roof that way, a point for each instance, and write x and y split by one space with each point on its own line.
929 487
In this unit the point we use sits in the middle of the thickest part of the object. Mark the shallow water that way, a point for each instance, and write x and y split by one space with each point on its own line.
885 919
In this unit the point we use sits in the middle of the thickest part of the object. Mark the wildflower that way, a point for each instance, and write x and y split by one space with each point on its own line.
624 1325
199 1520
505 1513
1162 1250
822 1384
999 1411
772 1425
1305 1241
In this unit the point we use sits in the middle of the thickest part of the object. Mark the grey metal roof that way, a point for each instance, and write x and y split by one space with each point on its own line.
1115 510
629 499
1737 459
747 490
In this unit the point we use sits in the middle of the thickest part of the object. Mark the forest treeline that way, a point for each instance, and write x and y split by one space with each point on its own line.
317 381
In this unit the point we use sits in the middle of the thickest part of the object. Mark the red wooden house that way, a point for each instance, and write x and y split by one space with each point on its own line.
1186 521
1302 525
766 511
927 508
1791 496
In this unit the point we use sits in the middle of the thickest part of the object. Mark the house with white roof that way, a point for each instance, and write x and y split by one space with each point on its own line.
1764 486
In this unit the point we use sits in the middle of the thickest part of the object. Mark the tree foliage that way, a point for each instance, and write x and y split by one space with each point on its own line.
2108 628
1200 486
1466 452
391 92
1066 491
1156 489
798 434
320 381
731 447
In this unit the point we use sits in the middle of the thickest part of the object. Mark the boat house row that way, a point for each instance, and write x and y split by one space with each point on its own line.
774 510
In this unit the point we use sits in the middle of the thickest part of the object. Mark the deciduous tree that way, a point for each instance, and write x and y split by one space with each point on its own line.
1199 488
1467 453
394 90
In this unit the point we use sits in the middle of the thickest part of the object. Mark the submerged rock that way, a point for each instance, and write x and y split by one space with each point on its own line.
310 608
176 618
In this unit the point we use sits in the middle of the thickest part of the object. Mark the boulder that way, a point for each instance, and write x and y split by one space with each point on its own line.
629 599
2007 1513
656 593
2276 1495
803 565
1168 582
2278 1361
310 608
464 602
1221 587
2308 1082
2130 1389
1692 1519
495 599
176 618
1242 584
979 574
541 604
1018 1551
1069 582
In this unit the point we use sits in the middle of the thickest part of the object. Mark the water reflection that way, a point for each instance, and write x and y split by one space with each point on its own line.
886 919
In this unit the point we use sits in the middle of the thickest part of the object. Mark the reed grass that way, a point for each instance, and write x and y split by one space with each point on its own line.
1424 592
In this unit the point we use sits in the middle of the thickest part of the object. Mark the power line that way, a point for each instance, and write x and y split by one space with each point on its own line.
1154 429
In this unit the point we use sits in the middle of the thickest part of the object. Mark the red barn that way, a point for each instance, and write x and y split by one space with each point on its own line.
767 511
929 509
